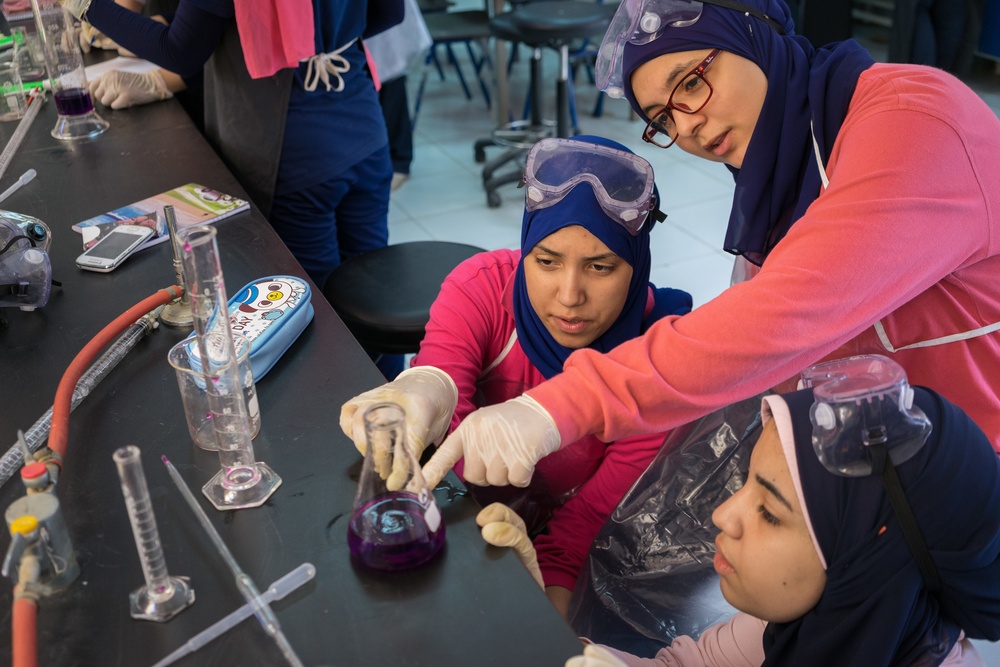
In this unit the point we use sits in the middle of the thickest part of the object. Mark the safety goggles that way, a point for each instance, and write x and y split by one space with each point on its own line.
622 181
865 423
862 402
641 21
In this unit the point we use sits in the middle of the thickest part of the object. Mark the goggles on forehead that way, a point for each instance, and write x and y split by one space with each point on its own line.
621 181
862 402
865 423
642 21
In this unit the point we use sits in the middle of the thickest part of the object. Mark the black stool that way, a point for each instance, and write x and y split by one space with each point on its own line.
384 296
551 23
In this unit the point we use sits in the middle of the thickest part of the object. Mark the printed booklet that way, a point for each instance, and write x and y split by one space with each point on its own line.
193 205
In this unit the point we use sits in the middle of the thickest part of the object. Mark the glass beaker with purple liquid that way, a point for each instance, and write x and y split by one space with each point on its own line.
396 524
57 32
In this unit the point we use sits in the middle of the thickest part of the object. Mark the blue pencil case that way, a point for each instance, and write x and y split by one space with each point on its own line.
270 312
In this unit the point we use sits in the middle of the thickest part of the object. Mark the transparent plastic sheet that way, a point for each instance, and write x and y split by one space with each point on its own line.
649 576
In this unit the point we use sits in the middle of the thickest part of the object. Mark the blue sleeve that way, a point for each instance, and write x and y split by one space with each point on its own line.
183 47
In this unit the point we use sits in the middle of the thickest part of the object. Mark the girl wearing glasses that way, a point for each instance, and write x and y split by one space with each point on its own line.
865 219
506 320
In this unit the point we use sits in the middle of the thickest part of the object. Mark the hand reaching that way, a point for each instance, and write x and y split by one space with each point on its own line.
119 89
501 444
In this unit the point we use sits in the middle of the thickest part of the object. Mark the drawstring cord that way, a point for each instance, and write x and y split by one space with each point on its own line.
324 65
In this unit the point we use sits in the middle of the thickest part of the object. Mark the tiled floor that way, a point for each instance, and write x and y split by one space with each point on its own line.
444 198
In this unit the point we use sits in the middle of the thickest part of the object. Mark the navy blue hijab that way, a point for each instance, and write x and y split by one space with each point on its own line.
875 609
580 207
779 178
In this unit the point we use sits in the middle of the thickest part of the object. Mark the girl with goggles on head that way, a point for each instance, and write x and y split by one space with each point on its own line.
831 562
506 320
866 208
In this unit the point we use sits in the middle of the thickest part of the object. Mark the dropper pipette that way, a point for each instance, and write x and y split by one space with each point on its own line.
276 591
244 583
25 178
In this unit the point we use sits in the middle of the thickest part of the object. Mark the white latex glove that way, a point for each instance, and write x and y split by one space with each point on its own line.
120 90
595 656
502 527
76 7
92 38
501 444
428 395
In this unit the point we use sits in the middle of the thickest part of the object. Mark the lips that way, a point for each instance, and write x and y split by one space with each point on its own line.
570 326
719 146
722 566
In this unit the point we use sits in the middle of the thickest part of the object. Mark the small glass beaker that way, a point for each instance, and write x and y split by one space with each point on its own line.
396 524
28 55
12 98
185 359
64 63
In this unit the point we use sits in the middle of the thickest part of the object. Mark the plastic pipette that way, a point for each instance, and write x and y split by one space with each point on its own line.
244 583
35 101
25 178
279 589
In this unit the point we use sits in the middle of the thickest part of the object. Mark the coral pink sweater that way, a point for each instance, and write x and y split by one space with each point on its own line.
902 247
471 337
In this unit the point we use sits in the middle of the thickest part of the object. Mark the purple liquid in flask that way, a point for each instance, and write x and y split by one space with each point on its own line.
395 532
73 101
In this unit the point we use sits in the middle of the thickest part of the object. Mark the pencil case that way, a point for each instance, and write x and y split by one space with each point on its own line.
270 312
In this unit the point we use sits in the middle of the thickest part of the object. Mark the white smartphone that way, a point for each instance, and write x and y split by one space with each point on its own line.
112 250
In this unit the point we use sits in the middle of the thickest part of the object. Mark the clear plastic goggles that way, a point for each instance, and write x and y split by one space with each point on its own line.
642 21
622 181
861 402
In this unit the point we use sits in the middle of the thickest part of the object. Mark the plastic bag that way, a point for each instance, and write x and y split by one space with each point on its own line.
649 576
396 50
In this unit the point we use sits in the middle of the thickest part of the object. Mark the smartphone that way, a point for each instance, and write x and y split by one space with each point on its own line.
112 250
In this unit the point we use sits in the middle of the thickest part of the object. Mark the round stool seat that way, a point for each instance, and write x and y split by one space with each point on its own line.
384 296
557 22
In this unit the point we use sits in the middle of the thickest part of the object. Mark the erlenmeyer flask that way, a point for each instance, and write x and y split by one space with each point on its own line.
395 524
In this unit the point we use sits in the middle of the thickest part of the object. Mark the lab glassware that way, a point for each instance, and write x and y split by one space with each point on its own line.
194 393
64 63
163 596
242 482
396 524
248 589
12 98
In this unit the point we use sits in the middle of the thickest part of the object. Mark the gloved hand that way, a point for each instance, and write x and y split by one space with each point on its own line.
595 656
92 38
502 527
501 444
119 89
76 7
428 395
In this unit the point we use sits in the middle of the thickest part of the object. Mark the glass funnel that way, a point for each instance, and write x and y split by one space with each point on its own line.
64 63
396 524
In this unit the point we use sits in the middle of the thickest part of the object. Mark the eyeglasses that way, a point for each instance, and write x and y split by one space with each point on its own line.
689 96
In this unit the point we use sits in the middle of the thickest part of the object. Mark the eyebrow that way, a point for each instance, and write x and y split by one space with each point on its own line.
774 490
594 258
668 83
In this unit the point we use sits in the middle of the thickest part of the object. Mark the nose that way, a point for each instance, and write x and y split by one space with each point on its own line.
571 290
726 516
687 124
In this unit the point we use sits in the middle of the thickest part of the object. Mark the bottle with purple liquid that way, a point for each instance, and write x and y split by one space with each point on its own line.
396 524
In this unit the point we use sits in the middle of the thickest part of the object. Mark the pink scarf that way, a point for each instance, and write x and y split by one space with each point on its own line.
275 34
